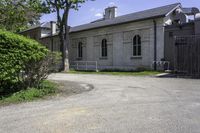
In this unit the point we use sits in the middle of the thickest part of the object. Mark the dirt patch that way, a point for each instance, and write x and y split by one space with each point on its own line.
67 88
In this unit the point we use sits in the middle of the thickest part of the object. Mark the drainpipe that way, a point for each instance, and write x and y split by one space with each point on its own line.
52 32
155 44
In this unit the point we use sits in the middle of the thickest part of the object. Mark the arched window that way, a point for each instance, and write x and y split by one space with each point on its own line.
104 48
80 50
137 51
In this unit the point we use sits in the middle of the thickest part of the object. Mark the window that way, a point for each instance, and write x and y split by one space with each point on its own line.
80 50
177 21
171 34
137 51
104 48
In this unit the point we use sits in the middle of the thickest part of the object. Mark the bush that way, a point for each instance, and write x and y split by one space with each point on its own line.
37 71
23 62
45 88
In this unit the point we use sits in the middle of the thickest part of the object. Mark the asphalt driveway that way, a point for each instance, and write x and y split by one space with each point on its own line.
117 104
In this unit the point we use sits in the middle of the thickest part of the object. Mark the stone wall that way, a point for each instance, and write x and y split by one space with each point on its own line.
119 39
47 41
33 33
120 45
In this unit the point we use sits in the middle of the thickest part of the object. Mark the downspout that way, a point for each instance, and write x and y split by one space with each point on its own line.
155 44
51 36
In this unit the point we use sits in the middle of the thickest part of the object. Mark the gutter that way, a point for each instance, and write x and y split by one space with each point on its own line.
155 44
51 23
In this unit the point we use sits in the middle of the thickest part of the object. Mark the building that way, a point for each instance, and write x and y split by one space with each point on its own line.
128 42
182 47
189 29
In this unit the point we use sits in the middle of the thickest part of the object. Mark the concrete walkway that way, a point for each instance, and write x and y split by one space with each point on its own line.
117 104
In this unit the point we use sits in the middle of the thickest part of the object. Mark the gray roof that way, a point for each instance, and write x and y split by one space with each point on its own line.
190 11
142 15
42 25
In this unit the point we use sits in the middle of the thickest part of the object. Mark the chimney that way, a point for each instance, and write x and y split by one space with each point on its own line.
197 24
110 12
53 27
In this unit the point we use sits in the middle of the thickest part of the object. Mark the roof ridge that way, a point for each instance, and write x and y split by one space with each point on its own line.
151 9
95 21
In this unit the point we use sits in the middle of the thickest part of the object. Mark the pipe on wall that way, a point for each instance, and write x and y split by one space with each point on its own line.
52 32
155 44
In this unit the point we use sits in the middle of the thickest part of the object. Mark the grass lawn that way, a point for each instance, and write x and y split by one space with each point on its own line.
46 88
142 73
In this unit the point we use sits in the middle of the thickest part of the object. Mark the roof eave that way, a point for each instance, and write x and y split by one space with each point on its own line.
179 5
155 17
29 29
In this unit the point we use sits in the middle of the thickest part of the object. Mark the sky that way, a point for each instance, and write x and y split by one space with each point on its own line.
93 10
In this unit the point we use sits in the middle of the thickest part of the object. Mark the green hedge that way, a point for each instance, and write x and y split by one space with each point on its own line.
15 52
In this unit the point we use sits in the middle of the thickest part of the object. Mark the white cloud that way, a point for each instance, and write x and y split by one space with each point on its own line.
112 4
97 12
98 15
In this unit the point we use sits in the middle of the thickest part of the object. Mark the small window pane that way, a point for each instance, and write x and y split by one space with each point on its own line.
135 50
80 50
139 40
139 50
134 41
104 48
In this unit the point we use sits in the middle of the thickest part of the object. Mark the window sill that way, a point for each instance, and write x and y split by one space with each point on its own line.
79 58
103 58
136 57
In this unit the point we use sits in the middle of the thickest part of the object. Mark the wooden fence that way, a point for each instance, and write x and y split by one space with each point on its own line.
187 56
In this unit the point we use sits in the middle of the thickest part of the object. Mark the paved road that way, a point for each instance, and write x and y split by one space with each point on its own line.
115 105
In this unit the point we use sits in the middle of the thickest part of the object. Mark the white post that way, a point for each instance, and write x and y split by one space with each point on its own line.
96 66
168 65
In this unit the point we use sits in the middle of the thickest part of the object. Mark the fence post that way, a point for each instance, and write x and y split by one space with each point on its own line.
175 53
96 66
86 65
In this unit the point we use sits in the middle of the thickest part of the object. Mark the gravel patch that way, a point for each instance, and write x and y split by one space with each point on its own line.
117 104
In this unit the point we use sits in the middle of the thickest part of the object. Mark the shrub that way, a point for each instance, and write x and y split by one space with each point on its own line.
36 71
45 88
22 62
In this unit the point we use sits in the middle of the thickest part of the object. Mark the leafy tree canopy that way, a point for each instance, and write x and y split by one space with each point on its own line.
65 6
16 15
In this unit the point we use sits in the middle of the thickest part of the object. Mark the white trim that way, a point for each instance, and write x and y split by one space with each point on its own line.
173 9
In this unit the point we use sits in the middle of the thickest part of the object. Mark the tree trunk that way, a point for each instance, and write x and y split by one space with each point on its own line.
66 49
61 37
64 33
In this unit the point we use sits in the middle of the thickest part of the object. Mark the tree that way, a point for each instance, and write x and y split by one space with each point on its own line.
62 22
16 15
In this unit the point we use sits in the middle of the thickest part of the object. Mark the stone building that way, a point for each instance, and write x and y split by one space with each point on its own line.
126 42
